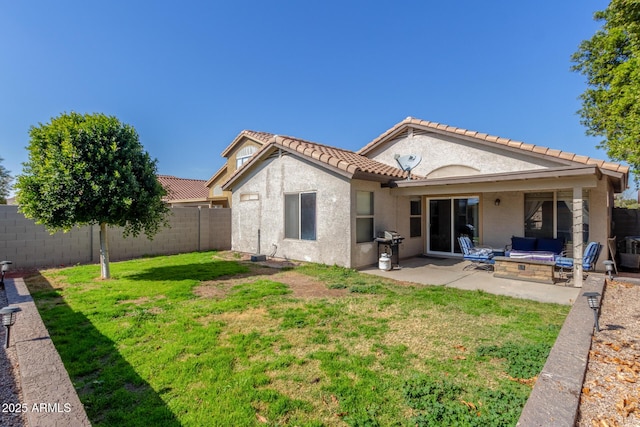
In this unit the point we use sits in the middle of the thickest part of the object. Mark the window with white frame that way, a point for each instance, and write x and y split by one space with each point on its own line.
244 155
364 216
300 216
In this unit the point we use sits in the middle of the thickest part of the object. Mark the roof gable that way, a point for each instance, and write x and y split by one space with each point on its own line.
400 130
260 138
344 162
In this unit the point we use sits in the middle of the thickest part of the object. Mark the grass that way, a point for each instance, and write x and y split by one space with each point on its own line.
196 340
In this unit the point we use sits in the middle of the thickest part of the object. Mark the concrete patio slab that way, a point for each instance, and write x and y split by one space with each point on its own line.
450 272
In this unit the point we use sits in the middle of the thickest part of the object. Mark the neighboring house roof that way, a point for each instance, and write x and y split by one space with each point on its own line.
259 137
344 162
399 129
183 188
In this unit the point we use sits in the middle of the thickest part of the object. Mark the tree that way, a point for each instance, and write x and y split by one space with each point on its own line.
610 60
90 169
5 181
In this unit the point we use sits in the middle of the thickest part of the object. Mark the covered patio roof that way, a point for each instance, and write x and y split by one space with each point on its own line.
530 180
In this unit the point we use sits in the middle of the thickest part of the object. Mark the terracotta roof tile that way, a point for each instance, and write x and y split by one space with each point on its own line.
540 150
183 188
409 121
260 137
345 160
342 159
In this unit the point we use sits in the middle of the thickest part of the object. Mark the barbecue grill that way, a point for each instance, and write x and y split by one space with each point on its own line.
389 243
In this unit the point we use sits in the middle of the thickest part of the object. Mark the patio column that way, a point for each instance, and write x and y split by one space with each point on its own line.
577 236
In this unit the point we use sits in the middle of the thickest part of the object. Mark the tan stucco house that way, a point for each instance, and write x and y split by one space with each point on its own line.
241 149
308 201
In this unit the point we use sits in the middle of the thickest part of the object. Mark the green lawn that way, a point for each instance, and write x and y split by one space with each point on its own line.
201 339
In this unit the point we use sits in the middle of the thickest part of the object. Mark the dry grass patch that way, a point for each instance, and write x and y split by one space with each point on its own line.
242 322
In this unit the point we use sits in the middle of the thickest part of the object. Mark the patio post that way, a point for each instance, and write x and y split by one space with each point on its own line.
577 236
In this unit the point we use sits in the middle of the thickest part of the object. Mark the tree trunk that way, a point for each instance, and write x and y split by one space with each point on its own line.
104 252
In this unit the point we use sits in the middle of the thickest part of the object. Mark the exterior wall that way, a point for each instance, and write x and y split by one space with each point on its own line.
445 156
265 215
30 245
391 212
501 222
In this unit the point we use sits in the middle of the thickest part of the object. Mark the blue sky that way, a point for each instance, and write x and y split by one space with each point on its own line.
190 75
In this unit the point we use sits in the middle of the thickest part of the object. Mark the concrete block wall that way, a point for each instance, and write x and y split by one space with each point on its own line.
218 228
30 245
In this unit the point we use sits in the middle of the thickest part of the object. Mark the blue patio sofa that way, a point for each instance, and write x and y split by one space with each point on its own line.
533 248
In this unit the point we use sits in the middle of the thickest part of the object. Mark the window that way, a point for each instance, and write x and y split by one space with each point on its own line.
246 197
415 218
364 216
244 155
549 215
300 216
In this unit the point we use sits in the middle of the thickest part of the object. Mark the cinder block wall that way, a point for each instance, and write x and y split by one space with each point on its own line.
30 245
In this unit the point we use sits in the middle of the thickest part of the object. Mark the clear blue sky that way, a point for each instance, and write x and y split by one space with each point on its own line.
190 75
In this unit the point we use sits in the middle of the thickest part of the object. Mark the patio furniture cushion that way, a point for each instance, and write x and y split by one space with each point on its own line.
529 244
523 243
533 255
591 254
550 245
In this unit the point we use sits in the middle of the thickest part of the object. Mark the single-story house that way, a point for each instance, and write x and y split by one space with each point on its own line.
308 201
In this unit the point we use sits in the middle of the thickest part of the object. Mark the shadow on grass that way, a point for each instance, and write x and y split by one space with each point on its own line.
218 270
108 386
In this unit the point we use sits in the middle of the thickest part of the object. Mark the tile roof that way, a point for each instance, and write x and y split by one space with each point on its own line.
346 161
483 137
259 137
183 188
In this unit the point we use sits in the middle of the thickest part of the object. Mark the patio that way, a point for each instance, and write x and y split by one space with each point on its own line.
450 272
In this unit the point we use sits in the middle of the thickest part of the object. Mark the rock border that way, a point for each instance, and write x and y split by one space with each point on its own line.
555 398
49 397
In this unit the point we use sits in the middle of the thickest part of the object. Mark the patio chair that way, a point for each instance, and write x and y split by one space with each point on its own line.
591 254
480 257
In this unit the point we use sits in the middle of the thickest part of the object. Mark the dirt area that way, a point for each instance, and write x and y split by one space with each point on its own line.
301 285
611 389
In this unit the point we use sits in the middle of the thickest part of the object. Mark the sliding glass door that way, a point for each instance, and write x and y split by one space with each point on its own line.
449 218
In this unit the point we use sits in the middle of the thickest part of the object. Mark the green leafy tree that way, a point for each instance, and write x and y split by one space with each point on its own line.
91 169
5 183
610 60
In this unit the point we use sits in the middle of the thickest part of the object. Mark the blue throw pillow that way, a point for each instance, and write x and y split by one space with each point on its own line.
523 243
550 245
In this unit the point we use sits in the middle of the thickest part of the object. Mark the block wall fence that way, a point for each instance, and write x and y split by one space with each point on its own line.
30 245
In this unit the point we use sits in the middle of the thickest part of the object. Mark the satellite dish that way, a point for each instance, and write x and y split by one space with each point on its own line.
408 162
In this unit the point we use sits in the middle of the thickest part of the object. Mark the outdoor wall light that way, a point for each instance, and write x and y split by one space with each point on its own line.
592 299
497 202
608 265
8 315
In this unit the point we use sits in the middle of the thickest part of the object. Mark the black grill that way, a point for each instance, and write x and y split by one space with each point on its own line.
389 242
